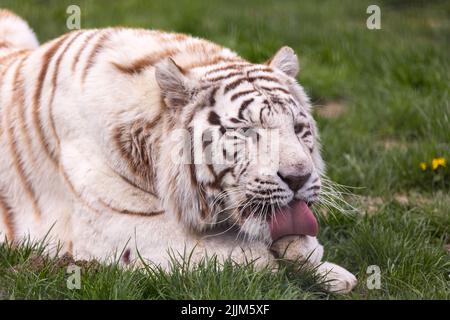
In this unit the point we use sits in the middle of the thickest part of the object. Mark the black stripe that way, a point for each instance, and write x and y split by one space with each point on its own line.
244 105
260 69
226 76
272 192
212 96
244 169
234 84
242 93
270 183
307 133
266 78
206 139
214 119
233 66
235 120
261 115
275 89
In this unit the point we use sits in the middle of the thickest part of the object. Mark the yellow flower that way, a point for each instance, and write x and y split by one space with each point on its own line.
437 162
423 166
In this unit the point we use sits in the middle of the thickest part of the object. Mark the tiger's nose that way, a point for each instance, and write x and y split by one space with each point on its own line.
295 182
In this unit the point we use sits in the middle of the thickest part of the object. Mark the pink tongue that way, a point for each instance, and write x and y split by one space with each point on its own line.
296 219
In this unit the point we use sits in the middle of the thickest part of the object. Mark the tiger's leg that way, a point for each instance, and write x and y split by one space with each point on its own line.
308 249
225 246
157 240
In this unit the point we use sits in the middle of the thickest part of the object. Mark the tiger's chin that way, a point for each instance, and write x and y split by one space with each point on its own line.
256 229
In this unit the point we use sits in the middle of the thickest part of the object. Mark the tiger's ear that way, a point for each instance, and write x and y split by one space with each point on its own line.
285 60
174 85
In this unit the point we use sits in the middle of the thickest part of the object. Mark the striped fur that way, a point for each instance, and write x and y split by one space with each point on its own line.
87 122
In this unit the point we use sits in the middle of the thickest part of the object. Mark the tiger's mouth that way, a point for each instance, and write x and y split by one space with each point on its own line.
294 219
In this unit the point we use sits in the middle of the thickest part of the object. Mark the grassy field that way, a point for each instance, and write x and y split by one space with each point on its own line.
382 99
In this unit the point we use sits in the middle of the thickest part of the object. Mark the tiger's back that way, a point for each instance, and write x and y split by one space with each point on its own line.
49 102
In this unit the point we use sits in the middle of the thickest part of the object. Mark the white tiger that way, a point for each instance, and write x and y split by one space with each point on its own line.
87 139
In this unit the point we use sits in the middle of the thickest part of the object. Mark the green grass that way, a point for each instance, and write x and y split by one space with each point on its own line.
393 84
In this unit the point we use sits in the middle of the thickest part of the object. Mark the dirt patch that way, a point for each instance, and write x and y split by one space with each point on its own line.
402 199
91 265
67 260
366 205
331 110
389 144
435 23
64 261
37 263
418 199
358 204
369 205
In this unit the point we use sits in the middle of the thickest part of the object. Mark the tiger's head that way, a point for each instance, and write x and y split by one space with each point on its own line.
241 148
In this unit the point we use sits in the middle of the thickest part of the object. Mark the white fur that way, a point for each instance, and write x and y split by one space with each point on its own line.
82 196
16 32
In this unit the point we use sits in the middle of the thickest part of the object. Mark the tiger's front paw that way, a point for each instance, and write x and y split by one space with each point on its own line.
298 249
337 279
